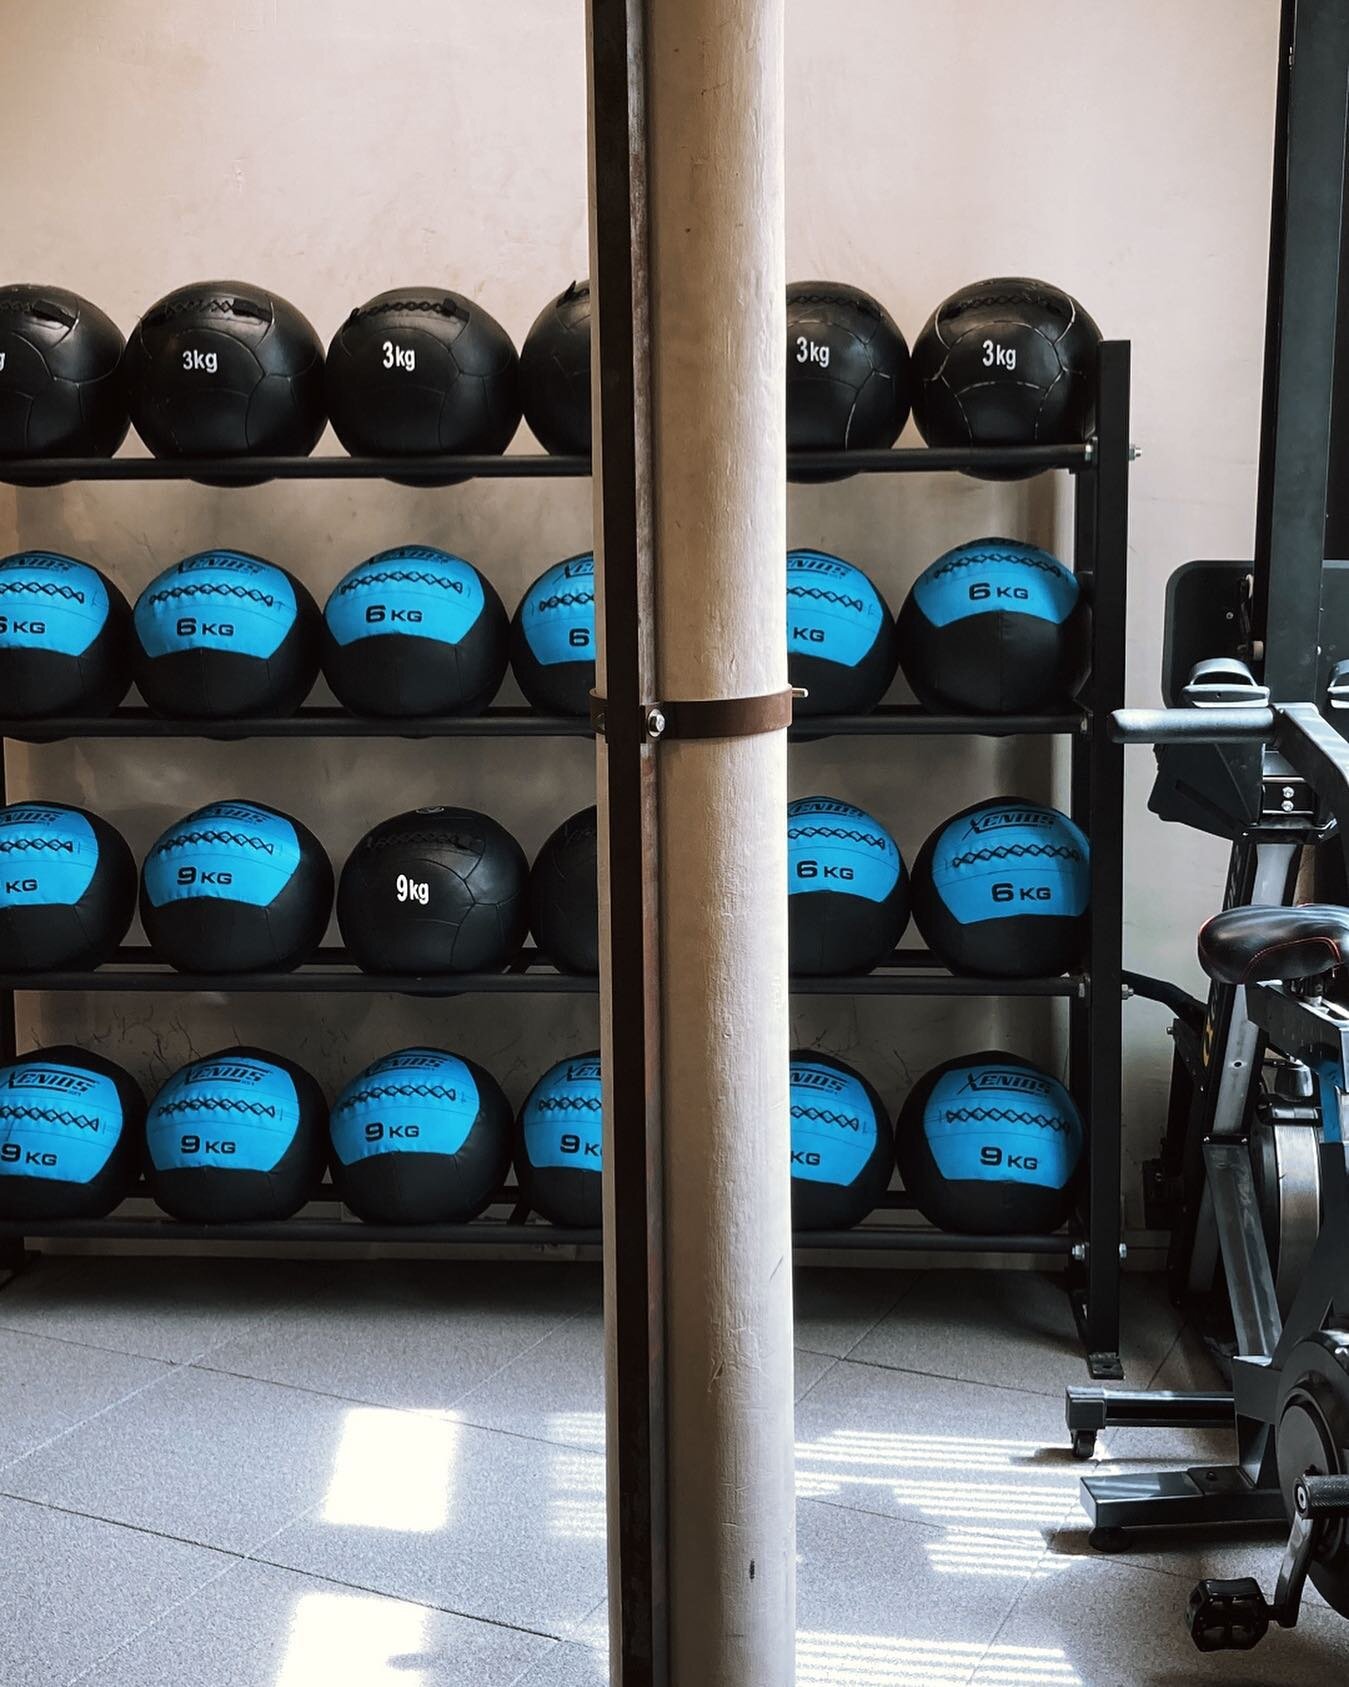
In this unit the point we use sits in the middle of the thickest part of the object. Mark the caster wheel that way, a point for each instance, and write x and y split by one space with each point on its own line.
1108 1540
1084 1444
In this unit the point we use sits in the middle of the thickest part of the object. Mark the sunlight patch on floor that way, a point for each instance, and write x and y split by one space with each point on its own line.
393 1470
353 1640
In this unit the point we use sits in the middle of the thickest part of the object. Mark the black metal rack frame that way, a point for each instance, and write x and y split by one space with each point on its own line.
1091 1243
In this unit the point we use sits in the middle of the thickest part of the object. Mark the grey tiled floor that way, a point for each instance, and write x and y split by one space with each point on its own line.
245 1474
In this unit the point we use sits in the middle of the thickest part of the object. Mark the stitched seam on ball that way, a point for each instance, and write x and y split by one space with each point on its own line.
399 575
868 838
214 1104
215 304
838 296
8 844
1022 296
429 307
1012 852
48 588
827 597
34 304
818 1116
565 600
1003 1116
378 1092
48 1113
568 1104
1046 565
224 589
241 839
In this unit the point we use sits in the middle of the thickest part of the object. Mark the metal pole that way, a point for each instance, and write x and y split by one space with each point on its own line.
1110 555
1300 342
630 988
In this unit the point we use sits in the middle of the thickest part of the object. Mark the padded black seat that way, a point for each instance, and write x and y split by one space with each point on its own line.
1254 945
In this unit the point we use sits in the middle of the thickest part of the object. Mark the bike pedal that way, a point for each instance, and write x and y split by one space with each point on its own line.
1227 1615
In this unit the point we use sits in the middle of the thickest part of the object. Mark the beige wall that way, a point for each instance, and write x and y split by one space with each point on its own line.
329 149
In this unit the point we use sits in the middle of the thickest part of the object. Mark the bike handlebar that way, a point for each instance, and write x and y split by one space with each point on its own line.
1183 726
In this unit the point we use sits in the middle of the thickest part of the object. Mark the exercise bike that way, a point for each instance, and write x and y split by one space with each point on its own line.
1285 971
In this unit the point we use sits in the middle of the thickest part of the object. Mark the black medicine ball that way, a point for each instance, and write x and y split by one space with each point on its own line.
436 890
553 637
420 1137
415 631
67 888
564 895
842 1146
64 638
1002 890
995 627
555 373
847 892
989 1145
62 386
223 369
237 1137
236 887
70 1134
223 634
559 1144
419 371
847 373
1006 362
840 636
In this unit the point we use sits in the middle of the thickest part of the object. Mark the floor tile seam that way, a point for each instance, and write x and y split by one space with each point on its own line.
871 1328
255 1556
244 1331
93 1417
966 1382
534 1664
491 1376
161 1616
1164 1360
122 1523
443 1412
810 1389
85 1346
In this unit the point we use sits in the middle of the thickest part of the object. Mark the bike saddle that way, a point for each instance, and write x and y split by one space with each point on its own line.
1255 945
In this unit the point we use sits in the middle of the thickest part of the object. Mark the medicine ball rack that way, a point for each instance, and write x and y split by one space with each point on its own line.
1091 1244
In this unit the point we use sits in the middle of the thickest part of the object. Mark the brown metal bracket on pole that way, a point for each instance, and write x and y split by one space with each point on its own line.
707 717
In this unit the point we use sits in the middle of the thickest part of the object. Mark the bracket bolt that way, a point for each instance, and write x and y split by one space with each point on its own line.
655 723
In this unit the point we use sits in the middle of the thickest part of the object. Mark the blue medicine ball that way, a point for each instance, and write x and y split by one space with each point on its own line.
990 1145
235 887
237 1136
223 634
847 891
842 1146
553 638
63 638
70 1134
420 1137
559 1144
1002 889
840 636
414 631
67 887
995 627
